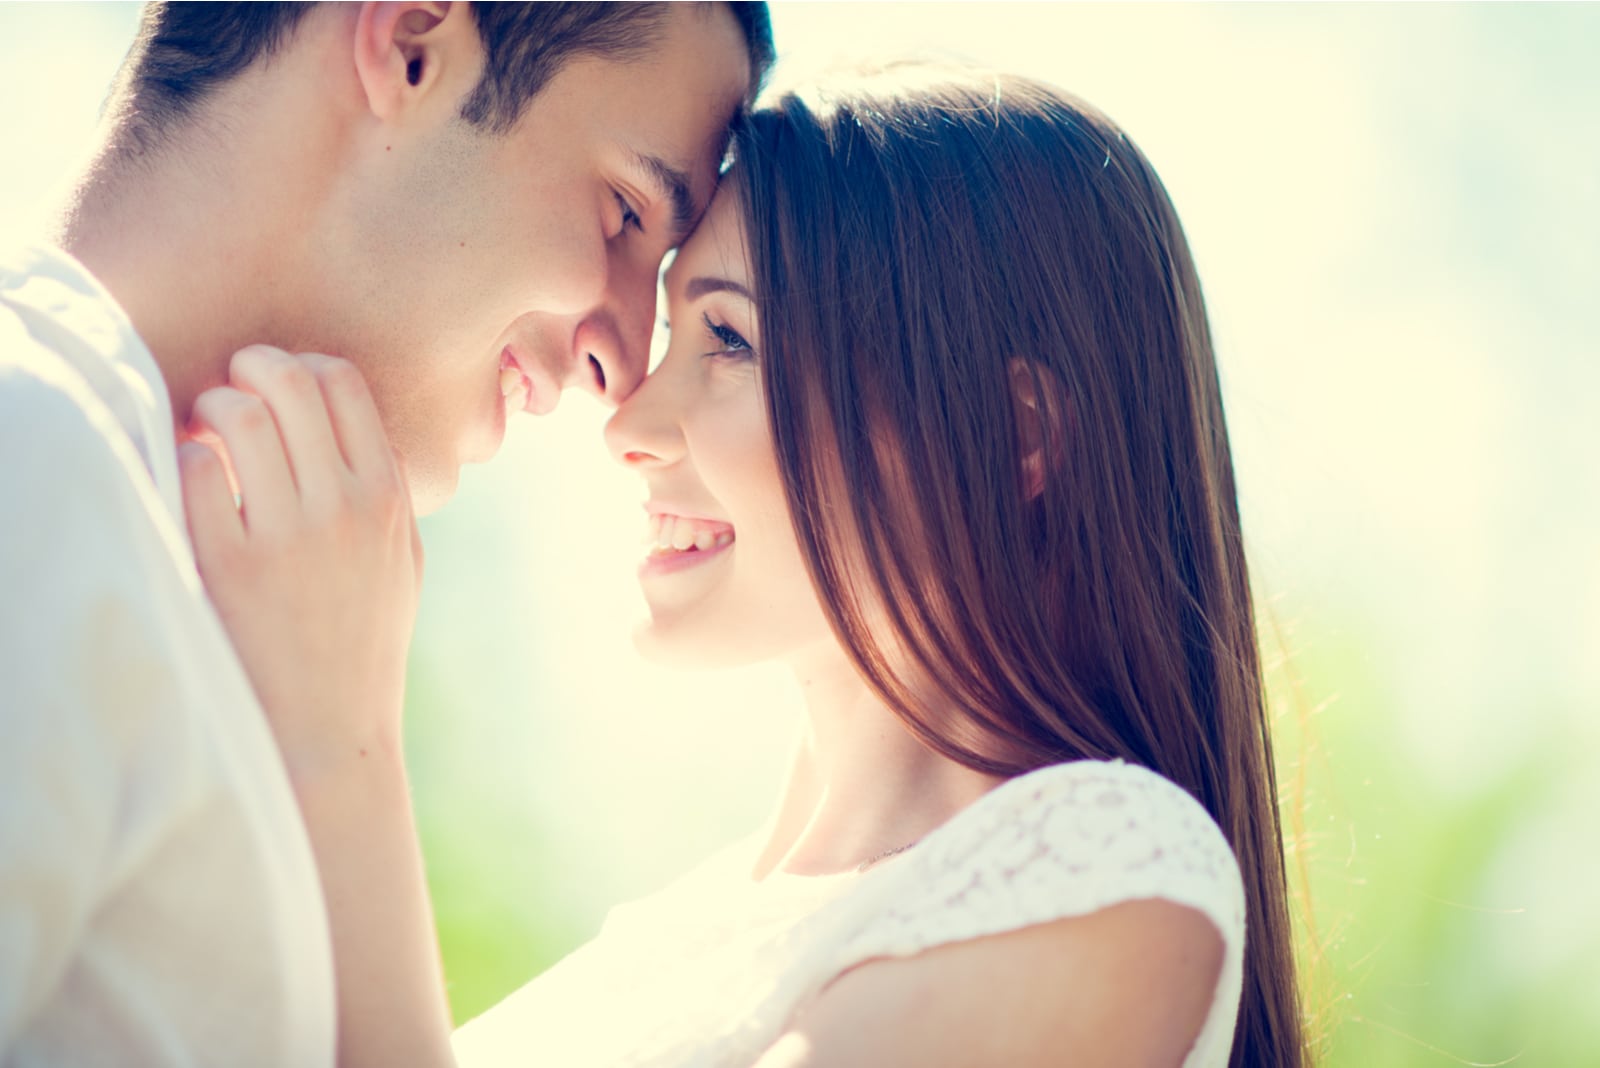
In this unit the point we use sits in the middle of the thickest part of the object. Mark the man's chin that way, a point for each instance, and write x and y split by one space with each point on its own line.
432 490
433 468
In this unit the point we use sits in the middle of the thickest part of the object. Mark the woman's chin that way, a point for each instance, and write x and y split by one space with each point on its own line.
679 643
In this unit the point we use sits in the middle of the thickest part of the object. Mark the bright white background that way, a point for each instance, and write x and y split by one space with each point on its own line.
1396 214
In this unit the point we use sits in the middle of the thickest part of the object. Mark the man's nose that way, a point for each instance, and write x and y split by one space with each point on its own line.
613 344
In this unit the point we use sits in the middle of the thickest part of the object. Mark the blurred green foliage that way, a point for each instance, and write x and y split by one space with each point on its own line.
1422 933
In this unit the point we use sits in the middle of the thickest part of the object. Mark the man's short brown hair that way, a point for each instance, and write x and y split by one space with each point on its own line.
184 51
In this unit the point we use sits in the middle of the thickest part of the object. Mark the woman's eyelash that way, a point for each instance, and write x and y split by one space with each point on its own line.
728 338
630 218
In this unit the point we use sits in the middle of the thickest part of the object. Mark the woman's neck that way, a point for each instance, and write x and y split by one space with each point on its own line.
860 784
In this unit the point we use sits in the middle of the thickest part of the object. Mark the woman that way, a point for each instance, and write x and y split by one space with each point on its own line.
939 426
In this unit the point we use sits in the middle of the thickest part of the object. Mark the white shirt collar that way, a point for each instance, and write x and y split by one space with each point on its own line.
64 306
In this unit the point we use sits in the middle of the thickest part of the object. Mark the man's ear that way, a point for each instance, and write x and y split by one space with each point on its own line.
404 50
1043 418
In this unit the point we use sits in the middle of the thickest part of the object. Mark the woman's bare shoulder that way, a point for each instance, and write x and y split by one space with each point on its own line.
1130 984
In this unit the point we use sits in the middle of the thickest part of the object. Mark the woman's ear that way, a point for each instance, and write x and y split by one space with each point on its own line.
403 50
1042 421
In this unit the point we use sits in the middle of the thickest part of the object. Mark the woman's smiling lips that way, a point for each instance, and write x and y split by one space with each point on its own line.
678 541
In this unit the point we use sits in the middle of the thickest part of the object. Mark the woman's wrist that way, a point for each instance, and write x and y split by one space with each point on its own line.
356 803
357 771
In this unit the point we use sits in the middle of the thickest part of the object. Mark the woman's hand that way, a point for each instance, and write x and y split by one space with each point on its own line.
316 571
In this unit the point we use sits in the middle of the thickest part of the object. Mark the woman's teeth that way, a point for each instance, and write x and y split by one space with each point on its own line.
677 534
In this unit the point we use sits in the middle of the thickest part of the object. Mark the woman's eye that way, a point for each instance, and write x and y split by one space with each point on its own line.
725 336
630 218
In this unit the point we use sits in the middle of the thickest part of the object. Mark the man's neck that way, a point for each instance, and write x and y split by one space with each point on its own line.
178 259
205 239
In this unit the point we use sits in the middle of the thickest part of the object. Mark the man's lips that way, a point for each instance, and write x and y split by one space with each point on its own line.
525 389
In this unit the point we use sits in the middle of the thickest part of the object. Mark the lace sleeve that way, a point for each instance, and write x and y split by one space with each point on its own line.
1062 841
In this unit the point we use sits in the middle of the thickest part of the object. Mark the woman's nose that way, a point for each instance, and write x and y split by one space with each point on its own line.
645 430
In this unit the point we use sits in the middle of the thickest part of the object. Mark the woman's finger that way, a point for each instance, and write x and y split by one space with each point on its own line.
296 400
354 416
247 430
215 529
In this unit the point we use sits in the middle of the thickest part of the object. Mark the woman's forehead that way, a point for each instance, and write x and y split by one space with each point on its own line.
717 247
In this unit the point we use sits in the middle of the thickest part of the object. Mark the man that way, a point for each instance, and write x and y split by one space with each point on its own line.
468 203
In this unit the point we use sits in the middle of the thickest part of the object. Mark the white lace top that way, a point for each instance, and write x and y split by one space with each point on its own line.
709 971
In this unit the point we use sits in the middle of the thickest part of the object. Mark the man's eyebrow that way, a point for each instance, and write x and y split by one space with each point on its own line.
672 184
699 287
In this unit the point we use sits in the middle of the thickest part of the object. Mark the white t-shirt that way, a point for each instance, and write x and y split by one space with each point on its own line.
709 972
159 902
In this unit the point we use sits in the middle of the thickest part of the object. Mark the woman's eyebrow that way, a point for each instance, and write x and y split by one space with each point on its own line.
699 287
672 185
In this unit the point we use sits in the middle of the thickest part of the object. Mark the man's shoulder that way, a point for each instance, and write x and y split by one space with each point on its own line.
85 531
77 496
71 365
50 417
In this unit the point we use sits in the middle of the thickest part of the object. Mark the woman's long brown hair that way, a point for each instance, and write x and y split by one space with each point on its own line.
925 259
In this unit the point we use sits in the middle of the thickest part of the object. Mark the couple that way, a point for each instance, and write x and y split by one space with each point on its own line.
938 425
